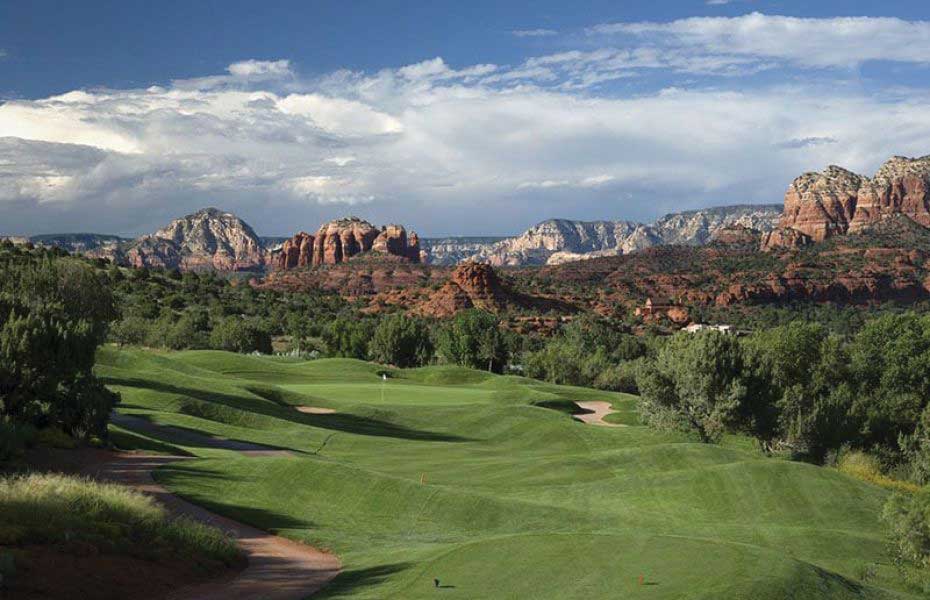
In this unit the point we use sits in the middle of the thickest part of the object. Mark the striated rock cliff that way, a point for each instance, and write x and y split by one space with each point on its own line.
836 201
206 239
339 240
558 241
471 285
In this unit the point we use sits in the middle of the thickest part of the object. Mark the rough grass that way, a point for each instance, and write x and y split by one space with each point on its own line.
469 478
110 518
866 468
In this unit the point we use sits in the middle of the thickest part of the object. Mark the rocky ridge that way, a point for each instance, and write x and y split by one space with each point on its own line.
207 239
837 201
558 241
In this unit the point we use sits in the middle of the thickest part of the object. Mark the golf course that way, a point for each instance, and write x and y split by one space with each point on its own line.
448 482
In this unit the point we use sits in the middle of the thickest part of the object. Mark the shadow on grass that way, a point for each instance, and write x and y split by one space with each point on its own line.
270 402
355 580
351 423
564 406
184 436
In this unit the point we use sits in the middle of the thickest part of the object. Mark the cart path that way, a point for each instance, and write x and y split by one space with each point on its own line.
278 569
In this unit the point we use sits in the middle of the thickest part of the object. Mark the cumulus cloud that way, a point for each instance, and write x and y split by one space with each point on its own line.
467 149
815 42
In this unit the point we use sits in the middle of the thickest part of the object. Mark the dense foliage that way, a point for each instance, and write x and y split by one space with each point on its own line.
54 313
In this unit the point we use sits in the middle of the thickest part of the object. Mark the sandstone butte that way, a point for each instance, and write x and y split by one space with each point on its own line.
339 240
836 201
470 285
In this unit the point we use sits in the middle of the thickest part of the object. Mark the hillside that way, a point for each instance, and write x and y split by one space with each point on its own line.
462 476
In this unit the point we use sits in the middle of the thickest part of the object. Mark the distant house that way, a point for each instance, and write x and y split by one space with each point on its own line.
653 310
695 327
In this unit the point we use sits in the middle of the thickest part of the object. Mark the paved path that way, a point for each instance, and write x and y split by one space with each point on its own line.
598 410
278 569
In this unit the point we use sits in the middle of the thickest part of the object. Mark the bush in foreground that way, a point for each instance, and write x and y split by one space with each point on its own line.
57 509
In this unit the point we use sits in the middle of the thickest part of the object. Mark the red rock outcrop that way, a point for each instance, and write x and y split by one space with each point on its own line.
342 239
901 186
837 201
338 241
736 234
295 253
471 285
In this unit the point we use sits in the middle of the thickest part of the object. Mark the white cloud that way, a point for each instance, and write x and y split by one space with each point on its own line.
533 32
812 42
260 68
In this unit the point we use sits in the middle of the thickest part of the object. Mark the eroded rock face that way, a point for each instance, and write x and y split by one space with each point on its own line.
736 234
836 201
471 285
342 239
784 237
901 186
296 252
821 205
206 239
338 241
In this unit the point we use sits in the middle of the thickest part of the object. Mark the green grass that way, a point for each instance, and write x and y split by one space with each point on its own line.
486 483
107 518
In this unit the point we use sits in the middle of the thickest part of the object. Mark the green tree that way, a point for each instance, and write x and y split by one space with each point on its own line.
54 313
402 341
237 334
473 339
349 337
130 331
695 383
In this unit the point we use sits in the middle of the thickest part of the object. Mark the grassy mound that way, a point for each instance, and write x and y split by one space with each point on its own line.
88 516
469 478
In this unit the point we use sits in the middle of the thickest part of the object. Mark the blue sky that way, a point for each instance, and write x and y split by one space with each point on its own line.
451 117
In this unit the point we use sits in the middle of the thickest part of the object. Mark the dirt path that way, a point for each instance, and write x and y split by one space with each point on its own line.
598 410
278 569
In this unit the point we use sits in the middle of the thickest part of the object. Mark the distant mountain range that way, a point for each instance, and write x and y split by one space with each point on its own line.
214 239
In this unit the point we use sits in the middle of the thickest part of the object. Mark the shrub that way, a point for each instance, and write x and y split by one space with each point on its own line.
14 439
867 468
49 509
907 519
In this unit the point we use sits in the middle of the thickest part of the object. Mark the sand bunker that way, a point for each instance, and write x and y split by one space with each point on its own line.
598 410
315 410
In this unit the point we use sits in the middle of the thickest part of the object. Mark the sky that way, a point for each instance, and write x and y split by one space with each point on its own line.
450 117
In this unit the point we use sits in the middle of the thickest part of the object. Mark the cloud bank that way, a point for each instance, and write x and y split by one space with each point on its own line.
461 150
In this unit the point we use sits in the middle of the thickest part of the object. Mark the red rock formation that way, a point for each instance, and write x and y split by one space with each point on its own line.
736 234
340 240
296 252
836 201
785 237
471 285
901 186
821 204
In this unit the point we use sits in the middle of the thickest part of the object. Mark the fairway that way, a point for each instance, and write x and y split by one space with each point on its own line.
487 484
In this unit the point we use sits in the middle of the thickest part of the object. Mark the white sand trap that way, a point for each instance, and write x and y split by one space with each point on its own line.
599 410
315 410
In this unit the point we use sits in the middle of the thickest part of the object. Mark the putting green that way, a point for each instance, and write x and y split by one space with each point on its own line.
489 485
